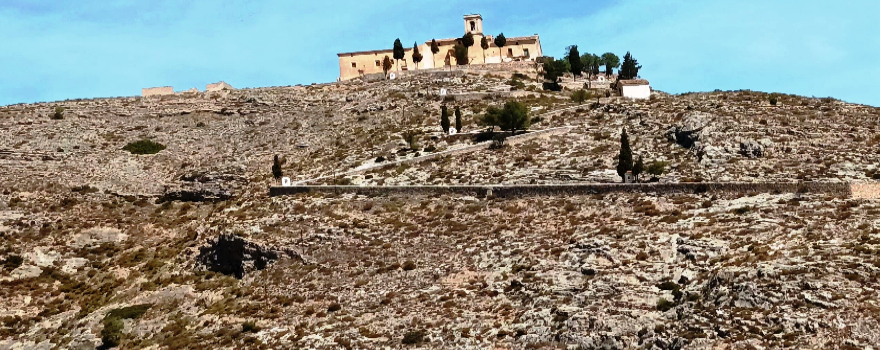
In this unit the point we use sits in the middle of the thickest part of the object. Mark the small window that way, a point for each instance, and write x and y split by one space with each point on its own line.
473 26
526 52
378 63
354 65
510 52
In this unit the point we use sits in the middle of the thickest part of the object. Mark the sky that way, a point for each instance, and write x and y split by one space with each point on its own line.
54 50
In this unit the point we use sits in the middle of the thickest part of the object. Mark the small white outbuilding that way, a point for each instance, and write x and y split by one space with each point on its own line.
638 89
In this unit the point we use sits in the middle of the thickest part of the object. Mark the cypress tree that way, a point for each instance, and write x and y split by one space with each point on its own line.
434 50
276 168
386 65
416 55
574 59
467 40
638 168
485 45
500 41
461 54
399 54
444 119
457 119
625 159
630 68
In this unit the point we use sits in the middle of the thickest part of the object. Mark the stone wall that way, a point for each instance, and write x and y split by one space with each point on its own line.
838 189
157 91
525 67
865 190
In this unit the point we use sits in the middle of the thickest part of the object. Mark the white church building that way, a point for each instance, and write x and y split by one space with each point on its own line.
638 89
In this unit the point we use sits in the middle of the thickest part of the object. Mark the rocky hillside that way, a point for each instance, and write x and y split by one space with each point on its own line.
184 248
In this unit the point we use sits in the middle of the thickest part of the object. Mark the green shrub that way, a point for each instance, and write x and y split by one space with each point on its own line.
111 335
12 262
59 113
411 138
742 210
668 285
334 307
657 168
580 96
414 337
516 84
774 99
498 141
112 332
129 312
250 327
144 147
513 116
664 305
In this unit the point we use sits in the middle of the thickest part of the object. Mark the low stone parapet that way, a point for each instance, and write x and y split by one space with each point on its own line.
837 189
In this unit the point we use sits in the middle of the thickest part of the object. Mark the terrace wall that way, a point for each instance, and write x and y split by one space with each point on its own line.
837 189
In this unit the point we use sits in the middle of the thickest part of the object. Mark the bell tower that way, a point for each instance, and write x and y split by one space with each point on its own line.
473 24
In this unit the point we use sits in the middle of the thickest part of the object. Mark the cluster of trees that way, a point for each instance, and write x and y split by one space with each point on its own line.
512 117
625 159
463 45
625 162
459 50
399 53
444 119
579 64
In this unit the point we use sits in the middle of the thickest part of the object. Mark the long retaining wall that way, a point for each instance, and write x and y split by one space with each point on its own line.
837 189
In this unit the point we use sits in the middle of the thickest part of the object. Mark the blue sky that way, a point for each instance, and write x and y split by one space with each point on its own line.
55 50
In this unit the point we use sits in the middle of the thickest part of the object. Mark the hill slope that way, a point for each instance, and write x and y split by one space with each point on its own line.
88 228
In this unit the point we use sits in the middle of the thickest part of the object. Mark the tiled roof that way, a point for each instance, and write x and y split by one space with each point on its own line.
633 82
405 49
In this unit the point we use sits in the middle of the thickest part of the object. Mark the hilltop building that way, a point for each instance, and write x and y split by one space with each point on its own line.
524 48
638 89
168 90
157 91
219 87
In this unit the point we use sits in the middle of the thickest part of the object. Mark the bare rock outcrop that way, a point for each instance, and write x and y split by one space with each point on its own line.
751 148
689 133
195 192
233 255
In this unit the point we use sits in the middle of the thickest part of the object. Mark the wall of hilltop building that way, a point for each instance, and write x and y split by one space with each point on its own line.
356 64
